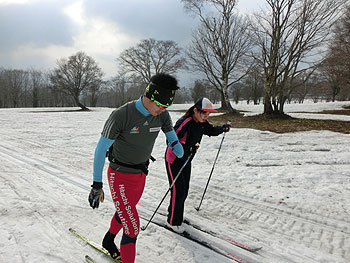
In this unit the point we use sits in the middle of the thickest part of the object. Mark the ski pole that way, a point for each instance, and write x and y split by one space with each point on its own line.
178 174
212 169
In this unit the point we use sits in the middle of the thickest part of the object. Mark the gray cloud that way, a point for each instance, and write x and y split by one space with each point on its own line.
159 19
40 23
102 28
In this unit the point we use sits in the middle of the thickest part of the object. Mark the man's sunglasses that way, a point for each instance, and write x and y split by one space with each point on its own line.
160 105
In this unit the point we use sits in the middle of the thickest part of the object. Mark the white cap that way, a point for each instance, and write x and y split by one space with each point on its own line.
204 104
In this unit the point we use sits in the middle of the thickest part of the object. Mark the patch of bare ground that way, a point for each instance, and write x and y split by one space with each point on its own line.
285 123
345 111
281 124
335 112
78 110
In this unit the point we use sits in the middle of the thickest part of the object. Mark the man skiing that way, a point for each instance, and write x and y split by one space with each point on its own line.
131 130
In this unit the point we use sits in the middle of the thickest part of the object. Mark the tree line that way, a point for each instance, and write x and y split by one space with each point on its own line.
291 50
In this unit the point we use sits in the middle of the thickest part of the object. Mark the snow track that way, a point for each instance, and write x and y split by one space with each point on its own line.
296 228
288 193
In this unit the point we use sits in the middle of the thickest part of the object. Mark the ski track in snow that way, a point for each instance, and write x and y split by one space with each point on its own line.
285 192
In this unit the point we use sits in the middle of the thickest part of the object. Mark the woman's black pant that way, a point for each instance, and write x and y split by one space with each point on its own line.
179 191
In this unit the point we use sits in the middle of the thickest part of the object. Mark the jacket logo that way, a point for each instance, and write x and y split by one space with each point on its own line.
135 130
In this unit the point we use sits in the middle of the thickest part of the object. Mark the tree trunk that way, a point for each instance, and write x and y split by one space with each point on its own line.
35 97
225 103
281 106
267 104
79 104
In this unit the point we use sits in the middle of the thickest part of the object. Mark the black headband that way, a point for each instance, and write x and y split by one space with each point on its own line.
160 95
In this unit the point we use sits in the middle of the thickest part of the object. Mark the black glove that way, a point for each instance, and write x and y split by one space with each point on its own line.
226 127
96 195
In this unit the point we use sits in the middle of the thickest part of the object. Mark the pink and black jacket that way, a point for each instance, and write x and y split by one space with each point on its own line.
190 133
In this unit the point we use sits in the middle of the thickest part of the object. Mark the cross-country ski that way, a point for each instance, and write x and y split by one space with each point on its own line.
241 244
93 245
189 224
88 259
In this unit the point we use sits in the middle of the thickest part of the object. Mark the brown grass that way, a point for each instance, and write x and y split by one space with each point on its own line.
336 112
263 123
77 110
286 124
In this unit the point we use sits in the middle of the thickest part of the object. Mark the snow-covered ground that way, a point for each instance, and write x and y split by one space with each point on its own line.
288 193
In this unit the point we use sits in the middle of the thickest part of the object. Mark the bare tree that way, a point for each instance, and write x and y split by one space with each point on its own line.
150 57
253 85
74 75
220 45
340 45
92 95
303 86
332 72
14 81
288 36
118 87
25 88
3 89
336 66
183 95
36 84
199 90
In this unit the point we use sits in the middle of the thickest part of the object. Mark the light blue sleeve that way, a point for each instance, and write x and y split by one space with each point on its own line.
174 144
171 136
100 156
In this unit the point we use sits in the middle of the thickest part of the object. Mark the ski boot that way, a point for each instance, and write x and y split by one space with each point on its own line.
109 245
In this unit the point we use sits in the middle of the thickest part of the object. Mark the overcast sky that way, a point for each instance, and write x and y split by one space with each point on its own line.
35 33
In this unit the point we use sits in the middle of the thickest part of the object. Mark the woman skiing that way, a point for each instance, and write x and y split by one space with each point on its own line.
189 129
